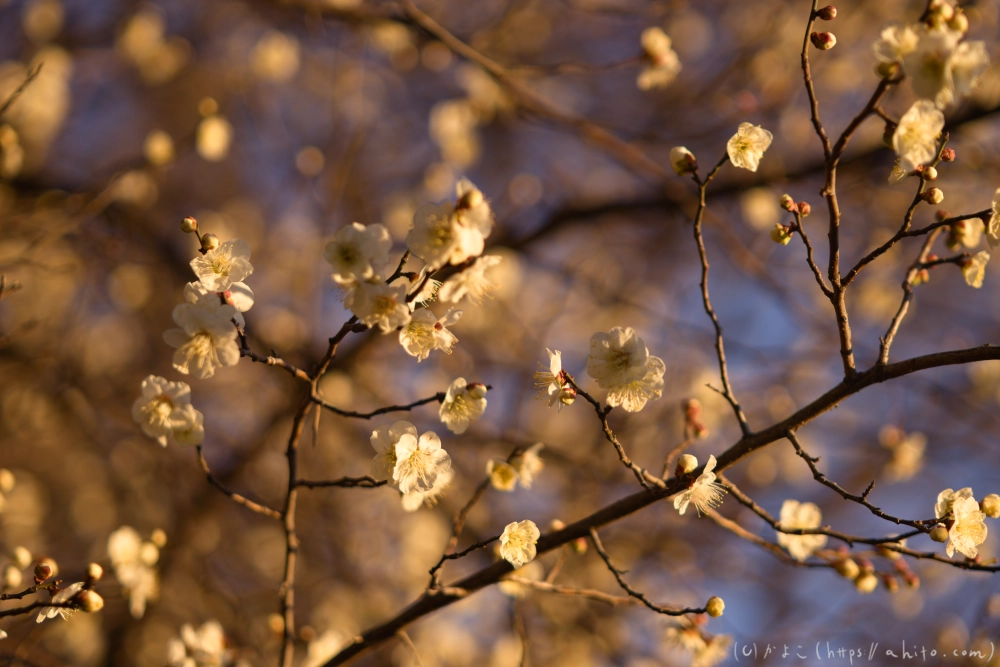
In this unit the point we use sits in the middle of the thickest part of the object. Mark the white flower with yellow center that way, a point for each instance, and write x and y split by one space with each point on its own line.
191 430
384 440
358 253
993 227
378 304
419 462
470 282
704 493
517 543
895 43
946 500
133 561
528 464
747 146
915 138
463 404
967 64
974 269
426 332
63 596
553 387
204 647
621 363
800 515
969 528
414 500
207 337
662 63
218 269
503 476
162 408
472 210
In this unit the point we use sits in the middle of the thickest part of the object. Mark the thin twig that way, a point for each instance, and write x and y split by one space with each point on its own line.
20 89
242 500
410 645
366 482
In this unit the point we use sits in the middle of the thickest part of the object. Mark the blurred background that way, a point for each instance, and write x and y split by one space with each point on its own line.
281 122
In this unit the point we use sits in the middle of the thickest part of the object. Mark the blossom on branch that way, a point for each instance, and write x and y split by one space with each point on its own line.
517 543
662 63
413 500
463 404
621 363
133 560
206 339
974 269
915 138
528 464
503 476
204 647
218 269
63 596
747 146
378 304
419 461
993 226
895 42
165 412
426 332
451 233
470 282
704 493
358 253
800 515
553 386
968 529
384 440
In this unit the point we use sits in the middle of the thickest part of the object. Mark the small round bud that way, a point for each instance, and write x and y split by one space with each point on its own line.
948 155
940 11
89 601
159 538
866 583
12 577
939 533
912 580
867 567
189 225
847 568
788 203
824 41
683 161
6 481
477 390
828 13
959 22
922 276
579 545
567 395
556 524
942 215
715 606
692 408
929 174
887 70
307 633
781 234
209 242
933 196
46 568
21 557
276 623
805 209
469 200
685 464
991 506
891 583
94 573
888 553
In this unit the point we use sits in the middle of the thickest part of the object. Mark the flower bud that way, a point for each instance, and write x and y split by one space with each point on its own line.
888 553
159 538
847 568
209 242
867 567
469 200
683 161
45 568
12 578
991 506
567 395
939 533
685 464
788 203
948 155
828 13
929 174
912 580
477 390
715 606
781 234
189 225
920 277
891 583
943 215
887 70
824 41
940 11
866 583
556 524
89 601
21 557
805 209
94 573
933 196
6 481
959 22
579 545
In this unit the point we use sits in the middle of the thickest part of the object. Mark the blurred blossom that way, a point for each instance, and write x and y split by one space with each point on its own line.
907 456
130 286
759 207
158 148
800 515
275 57
309 161
142 41
202 647
38 114
43 19
136 187
534 571
133 561
214 136
324 647
452 128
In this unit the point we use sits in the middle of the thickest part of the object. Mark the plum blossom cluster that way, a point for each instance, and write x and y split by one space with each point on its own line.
134 561
517 543
704 493
418 466
200 647
963 519
553 384
165 413
706 650
67 600
661 62
521 469
800 515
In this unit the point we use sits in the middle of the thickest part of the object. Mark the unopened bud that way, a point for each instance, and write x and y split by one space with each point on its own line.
692 408
959 22
847 568
828 13
21 557
477 390
920 277
159 538
94 573
824 41
933 196
940 11
683 161
943 215
149 554
912 580
715 606
567 395
788 203
939 533
891 583
6 481
948 155
556 524
469 200
579 545
888 553
991 506
805 209
781 234
209 242
89 601
189 225
867 567
685 464
929 174
46 568
12 577
866 583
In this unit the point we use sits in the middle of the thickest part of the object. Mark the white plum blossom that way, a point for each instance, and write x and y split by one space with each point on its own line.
968 63
426 332
503 476
993 227
941 68
413 500
621 363
419 462
218 269
64 595
381 305
662 63
747 146
325 646
974 269
164 410
133 560
463 404
704 493
451 232
472 210
895 43
384 440
968 529
206 339
897 174
517 543
204 647
915 138
682 160
470 282
528 464
800 515
358 253
946 501
553 386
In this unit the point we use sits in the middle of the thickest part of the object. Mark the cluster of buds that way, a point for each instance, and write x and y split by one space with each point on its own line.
824 41
866 581
942 13
579 545
208 241
683 161
692 418
781 234
802 208
933 196
827 13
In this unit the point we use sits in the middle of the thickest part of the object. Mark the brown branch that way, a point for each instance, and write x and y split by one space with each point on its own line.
242 500
464 552
745 534
272 360
20 89
810 89
365 482
588 593
287 589
800 228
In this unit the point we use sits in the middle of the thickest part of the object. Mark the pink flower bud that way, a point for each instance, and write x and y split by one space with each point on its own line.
788 203
828 13
189 224
929 174
824 41
948 155
805 209
933 196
